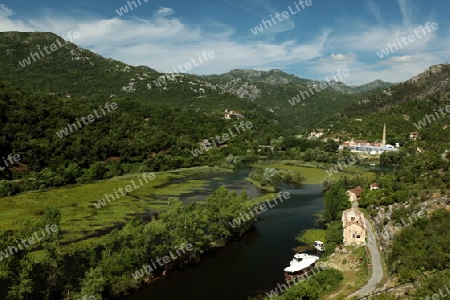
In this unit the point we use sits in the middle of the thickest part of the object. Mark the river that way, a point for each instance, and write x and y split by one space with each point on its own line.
251 265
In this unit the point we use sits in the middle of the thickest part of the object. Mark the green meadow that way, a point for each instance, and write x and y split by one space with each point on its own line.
82 221
314 174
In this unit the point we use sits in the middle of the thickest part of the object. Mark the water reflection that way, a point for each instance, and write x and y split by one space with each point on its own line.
251 264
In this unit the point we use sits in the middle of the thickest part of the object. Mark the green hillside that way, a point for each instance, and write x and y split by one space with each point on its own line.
82 73
400 107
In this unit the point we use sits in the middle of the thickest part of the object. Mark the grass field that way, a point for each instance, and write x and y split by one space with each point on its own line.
81 219
315 175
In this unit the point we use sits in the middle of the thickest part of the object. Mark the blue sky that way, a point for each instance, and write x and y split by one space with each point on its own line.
315 42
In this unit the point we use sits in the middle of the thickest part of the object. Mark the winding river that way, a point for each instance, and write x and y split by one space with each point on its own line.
251 265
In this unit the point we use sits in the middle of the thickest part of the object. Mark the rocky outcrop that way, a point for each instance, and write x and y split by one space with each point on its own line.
386 228
242 90
436 69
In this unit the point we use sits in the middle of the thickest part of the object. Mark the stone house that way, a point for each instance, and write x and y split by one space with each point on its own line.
354 227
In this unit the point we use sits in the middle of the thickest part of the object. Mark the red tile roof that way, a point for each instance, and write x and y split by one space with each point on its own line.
357 191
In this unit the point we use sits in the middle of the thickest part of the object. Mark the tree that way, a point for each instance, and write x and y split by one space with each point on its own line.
71 173
334 236
222 208
94 283
96 171
335 201
114 169
5 188
234 160
302 290
271 176
23 286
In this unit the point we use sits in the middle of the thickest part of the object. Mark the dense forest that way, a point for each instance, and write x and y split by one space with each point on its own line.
157 137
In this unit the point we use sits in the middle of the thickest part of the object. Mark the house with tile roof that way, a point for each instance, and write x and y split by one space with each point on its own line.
355 194
354 227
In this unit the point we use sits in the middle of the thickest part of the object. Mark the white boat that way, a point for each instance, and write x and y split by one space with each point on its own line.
298 257
301 257
300 265
319 246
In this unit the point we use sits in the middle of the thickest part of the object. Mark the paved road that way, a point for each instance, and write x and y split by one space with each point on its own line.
377 267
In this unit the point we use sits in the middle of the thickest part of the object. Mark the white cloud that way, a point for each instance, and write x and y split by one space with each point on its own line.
228 54
279 26
400 59
4 11
6 24
372 39
375 10
396 69
164 11
405 9
339 56
165 40
162 42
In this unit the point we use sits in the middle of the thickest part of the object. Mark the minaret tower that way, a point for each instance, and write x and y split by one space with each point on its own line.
383 142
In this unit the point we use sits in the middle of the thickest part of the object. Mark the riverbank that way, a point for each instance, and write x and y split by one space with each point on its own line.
353 262
268 178
248 265
136 246
315 173
81 222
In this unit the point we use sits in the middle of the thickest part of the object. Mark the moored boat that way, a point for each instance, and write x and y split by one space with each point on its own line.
298 257
300 266
319 246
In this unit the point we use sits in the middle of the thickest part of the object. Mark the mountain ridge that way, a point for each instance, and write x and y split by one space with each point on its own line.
277 76
79 72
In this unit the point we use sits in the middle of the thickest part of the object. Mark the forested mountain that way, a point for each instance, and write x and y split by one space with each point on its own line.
301 101
158 122
356 89
401 107
54 150
72 70
82 73
278 77
274 76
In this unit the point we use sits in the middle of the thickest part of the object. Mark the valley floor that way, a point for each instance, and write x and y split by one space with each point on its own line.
82 222
315 173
